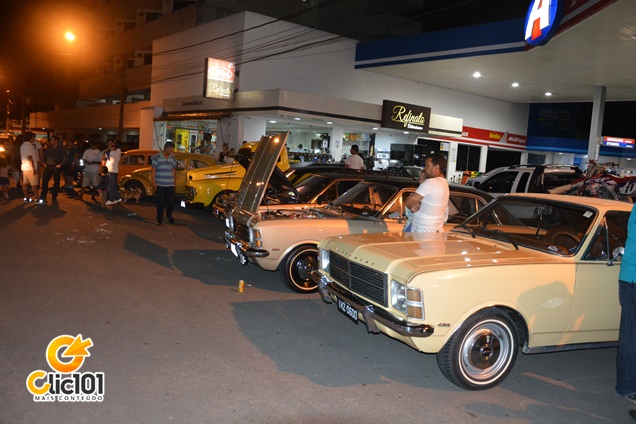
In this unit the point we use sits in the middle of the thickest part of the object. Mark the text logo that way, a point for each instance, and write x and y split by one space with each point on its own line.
542 21
402 116
65 355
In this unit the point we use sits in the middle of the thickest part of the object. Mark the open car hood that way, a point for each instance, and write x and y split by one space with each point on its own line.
260 170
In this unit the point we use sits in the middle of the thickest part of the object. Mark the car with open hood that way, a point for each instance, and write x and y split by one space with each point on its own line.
530 272
137 169
205 185
284 237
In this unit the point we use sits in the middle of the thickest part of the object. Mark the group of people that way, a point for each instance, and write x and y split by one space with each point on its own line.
101 172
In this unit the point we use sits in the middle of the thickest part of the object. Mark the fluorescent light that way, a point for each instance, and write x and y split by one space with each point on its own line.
515 84
476 74
548 94
272 122
296 119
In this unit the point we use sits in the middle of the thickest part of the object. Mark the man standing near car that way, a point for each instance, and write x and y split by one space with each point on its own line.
626 356
29 167
54 161
429 203
354 161
164 172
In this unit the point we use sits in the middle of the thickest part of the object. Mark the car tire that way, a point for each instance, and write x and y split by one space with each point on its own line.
482 352
132 184
210 207
297 266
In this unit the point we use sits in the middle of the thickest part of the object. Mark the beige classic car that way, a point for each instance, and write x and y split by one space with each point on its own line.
284 236
536 272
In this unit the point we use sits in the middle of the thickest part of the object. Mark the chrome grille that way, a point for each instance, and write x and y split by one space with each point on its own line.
359 278
241 231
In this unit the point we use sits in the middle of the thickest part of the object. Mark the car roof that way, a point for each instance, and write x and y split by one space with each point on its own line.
579 200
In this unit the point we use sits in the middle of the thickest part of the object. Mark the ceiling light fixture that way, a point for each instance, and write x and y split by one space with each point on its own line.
548 94
296 119
272 122
515 84
476 74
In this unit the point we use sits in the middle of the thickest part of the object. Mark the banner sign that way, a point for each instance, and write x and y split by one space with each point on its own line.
627 143
218 79
402 116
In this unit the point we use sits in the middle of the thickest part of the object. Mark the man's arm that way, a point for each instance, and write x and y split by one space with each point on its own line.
413 202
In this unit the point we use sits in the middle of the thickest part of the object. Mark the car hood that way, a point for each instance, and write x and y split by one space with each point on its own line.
425 252
260 169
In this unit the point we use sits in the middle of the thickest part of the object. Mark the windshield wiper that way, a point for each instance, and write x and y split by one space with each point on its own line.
470 230
507 237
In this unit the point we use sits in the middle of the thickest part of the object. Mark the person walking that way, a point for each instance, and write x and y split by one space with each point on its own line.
112 155
354 161
626 356
164 171
54 160
429 203
90 178
29 168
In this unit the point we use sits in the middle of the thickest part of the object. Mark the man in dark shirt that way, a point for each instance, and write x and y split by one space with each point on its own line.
54 159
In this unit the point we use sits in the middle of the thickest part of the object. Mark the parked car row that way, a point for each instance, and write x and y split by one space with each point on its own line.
528 272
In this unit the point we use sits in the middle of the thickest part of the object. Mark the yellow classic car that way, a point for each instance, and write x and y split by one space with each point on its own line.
141 176
204 185
530 272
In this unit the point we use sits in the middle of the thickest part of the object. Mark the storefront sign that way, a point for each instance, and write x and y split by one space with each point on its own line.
627 143
493 136
402 116
542 21
218 79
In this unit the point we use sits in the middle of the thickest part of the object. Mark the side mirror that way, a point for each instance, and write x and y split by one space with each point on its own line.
616 253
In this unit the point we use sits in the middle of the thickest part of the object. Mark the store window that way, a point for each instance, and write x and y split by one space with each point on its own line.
468 157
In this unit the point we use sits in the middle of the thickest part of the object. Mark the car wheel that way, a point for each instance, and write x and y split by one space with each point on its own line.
210 207
131 185
297 267
482 352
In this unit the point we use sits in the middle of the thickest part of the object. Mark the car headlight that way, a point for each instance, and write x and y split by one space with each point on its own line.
324 259
407 300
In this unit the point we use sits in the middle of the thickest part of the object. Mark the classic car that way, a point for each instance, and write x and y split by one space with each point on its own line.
532 272
205 185
141 176
284 237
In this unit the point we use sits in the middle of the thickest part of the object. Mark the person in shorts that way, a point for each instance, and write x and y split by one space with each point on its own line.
92 159
29 167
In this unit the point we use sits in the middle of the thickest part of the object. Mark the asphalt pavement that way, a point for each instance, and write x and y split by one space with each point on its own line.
174 341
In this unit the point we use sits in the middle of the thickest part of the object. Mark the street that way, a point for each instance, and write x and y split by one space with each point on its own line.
177 342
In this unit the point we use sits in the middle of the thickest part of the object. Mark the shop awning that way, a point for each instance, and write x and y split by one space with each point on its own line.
193 116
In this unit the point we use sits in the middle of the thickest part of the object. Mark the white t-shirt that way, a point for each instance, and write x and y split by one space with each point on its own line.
113 161
355 162
92 155
27 149
433 211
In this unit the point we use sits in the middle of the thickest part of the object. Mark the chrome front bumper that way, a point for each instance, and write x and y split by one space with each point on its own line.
372 316
243 248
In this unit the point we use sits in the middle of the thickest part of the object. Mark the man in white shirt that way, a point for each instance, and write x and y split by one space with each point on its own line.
29 167
354 161
429 203
112 155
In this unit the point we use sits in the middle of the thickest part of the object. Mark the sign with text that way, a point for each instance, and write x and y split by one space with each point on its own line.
218 79
627 143
542 21
402 116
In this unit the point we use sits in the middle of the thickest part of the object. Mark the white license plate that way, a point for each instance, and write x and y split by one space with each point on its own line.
233 249
183 204
348 310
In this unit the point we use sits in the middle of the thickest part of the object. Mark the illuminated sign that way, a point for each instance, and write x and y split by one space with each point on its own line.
627 143
218 79
402 116
542 21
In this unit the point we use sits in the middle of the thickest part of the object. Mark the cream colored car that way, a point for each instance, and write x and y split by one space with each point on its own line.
532 272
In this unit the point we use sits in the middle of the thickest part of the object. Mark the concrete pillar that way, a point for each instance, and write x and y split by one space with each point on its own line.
335 142
596 128
235 129
151 134
483 158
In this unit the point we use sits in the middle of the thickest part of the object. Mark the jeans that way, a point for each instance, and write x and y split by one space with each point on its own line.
626 358
165 200
113 189
51 171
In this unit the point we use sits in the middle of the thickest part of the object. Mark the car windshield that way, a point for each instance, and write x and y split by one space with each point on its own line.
552 226
311 186
365 198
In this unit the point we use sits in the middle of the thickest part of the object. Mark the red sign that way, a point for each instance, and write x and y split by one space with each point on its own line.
494 136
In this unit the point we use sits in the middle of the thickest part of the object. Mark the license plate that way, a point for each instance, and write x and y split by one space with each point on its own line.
348 310
233 249
183 204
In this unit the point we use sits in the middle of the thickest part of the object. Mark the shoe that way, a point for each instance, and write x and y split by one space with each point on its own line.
110 202
27 200
171 220
118 200
40 202
631 397
159 223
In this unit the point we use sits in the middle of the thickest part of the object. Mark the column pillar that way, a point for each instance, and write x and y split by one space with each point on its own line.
596 128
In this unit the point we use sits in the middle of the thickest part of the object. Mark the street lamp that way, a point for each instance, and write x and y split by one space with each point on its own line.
123 89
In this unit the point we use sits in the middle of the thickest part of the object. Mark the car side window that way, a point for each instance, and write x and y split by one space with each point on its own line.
523 182
180 164
460 207
500 183
133 160
610 235
396 210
